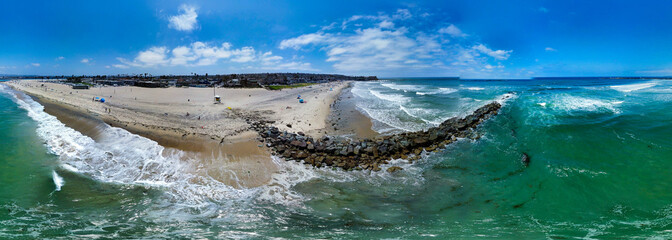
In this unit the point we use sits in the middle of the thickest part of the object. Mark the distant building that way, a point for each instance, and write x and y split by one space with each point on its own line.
80 86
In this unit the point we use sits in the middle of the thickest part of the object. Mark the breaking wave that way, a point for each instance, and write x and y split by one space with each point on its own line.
439 91
395 98
633 87
58 180
474 88
404 88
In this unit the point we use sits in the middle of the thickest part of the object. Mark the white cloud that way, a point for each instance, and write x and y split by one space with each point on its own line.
243 55
60 58
152 57
550 49
120 66
453 31
378 47
366 44
386 24
303 40
496 54
268 57
186 21
402 14
207 54
85 60
35 64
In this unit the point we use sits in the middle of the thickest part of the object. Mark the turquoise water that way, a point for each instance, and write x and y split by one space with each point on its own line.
601 165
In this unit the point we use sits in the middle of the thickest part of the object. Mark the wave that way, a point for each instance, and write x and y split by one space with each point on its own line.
384 118
396 98
474 88
569 104
58 180
559 108
404 88
417 112
566 171
120 157
633 87
439 91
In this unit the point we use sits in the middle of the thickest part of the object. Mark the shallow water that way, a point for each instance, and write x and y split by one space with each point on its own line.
600 168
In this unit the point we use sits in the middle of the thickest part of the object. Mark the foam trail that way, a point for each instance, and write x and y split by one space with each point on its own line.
633 87
58 180
404 88
396 98
475 88
439 91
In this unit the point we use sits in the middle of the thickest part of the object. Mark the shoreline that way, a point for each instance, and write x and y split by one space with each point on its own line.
236 149
346 120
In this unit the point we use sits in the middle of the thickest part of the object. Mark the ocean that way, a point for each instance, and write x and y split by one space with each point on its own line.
600 167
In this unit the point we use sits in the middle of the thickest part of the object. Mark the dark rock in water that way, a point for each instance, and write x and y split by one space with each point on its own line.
370 153
525 159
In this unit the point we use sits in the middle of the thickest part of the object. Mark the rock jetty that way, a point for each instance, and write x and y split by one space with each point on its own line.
370 154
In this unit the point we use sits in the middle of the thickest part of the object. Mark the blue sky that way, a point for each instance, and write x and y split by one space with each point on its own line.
471 39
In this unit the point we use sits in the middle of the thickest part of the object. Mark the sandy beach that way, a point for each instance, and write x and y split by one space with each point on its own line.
187 119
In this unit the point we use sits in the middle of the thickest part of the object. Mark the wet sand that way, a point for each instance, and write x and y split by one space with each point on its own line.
217 135
241 164
346 120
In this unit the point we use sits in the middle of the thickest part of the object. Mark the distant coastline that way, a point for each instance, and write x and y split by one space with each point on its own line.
246 80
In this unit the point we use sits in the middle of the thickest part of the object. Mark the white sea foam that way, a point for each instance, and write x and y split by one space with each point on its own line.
290 174
475 88
386 117
504 98
569 104
69 168
558 107
566 171
438 91
394 112
396 98
58 180
633 87
121 157
418 114
404 88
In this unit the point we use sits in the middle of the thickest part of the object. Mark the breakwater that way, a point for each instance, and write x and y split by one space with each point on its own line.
370 154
